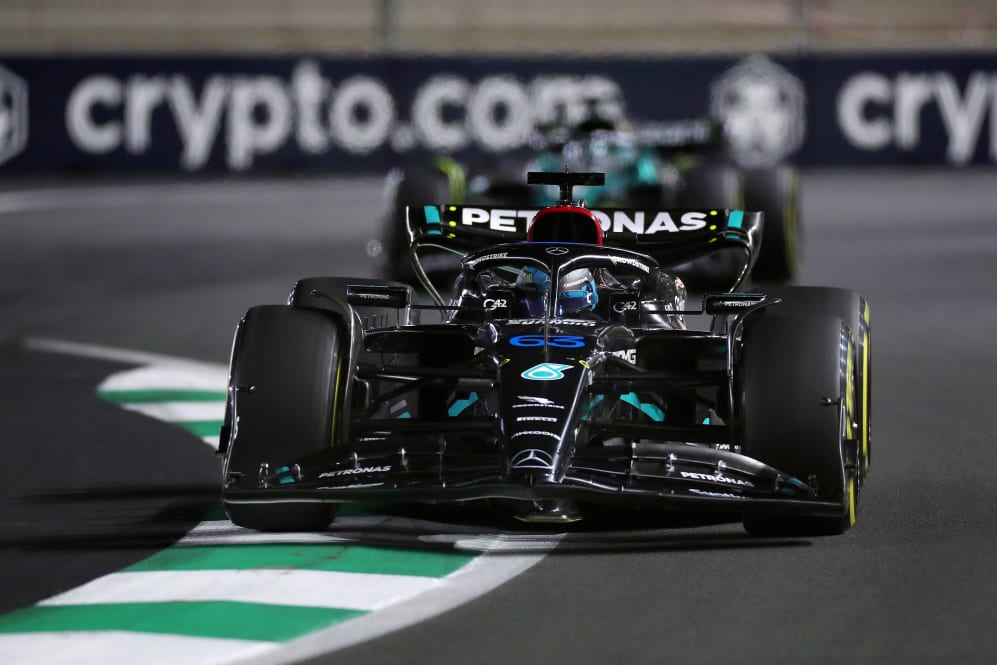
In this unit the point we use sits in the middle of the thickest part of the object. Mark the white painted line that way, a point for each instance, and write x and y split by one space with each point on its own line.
398 602
300 588
124 356
349 529
174 412
473 580
123 648
146 195
168 373
223 532
494 543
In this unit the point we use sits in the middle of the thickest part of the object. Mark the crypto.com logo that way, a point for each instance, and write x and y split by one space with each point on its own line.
13 114
761 106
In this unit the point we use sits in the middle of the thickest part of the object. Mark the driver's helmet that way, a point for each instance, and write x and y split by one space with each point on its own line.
576 291
532 288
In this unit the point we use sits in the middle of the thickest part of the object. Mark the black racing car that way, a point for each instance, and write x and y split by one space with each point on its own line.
559 374
673 164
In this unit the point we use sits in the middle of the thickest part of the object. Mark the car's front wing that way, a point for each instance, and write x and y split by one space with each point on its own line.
666 475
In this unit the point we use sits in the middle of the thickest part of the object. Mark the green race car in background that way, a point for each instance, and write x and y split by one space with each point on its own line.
675 164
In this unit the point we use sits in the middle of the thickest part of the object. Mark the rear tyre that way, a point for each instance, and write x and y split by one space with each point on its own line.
711 186
797 387
282 406
776 193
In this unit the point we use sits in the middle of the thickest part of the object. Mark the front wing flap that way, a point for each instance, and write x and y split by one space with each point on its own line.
426 468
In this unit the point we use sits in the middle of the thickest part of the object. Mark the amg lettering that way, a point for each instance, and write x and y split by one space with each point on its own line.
630 355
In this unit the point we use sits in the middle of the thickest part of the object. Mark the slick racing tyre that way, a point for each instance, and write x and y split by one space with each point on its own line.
853 310
710 186
423 185
282 403
775 192
797 404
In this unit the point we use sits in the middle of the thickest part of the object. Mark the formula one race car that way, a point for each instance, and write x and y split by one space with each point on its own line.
679 164
562 375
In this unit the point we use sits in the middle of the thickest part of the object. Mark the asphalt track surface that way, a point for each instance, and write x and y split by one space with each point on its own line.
170 268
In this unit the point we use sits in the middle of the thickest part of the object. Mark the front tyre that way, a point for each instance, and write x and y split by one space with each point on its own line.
283 396
797 388
853 309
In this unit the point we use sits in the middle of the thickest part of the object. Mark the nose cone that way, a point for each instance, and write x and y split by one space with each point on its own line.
532 466
540 383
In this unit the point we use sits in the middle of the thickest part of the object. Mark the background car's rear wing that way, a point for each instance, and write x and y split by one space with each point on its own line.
710 249
668 136
679 135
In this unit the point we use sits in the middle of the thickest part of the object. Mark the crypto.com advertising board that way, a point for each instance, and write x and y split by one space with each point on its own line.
194 114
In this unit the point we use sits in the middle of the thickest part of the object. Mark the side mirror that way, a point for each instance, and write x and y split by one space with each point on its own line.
377 296
731 303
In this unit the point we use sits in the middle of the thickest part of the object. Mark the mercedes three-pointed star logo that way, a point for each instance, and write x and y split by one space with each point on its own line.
531 458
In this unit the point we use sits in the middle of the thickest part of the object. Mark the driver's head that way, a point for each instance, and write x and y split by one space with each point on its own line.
576 292
533 286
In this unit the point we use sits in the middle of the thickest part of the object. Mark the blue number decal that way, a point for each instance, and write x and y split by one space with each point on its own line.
527 340
567 341
558 341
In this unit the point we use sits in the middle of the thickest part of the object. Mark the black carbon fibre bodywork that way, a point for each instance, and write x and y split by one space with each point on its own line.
620 403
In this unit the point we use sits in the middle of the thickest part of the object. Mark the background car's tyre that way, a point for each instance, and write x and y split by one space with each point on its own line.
711 186
775 192
853 310
419 185
282 402
796 387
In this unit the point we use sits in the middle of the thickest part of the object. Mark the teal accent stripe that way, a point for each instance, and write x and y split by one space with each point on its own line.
651 410
588 407
458 407
153 396
225 619
432 219
296 556
735 219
